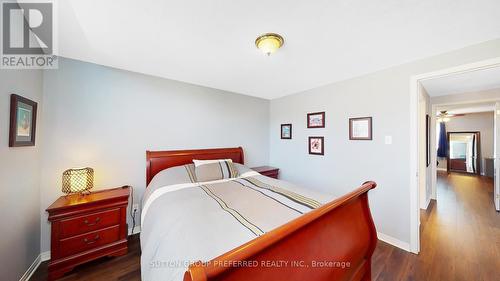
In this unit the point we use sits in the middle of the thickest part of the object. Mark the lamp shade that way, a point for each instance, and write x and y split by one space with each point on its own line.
77 180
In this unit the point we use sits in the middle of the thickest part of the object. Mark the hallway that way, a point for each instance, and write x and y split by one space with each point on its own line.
460 236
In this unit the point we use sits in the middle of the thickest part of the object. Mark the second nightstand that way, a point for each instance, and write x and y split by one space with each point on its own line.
269 171
86 227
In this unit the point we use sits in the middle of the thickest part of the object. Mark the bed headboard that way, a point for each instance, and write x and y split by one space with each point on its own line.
157 161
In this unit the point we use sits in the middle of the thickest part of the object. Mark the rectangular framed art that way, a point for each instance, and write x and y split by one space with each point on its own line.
286 131
22 121
316 120
317 145
360 128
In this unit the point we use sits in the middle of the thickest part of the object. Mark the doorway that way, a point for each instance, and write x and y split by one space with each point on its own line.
464 152
417 134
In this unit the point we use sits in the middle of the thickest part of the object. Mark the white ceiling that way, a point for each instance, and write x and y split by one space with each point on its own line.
468 82
211 43
468 108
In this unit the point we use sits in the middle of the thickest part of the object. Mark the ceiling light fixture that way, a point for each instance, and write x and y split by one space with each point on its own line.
269 42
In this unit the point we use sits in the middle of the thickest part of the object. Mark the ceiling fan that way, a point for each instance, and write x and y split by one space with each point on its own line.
444 116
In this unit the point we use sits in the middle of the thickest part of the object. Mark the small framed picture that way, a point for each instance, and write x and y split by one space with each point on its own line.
316 145
316 120
22 121
360 128
286 131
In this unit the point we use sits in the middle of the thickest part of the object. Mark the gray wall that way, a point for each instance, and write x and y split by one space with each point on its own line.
482 122
19 181
107 118
385 96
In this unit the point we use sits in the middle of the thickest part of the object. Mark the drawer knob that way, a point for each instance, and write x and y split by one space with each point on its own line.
86 221
88 242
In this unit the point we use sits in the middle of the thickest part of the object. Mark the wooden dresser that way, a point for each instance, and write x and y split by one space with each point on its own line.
87 227
269 171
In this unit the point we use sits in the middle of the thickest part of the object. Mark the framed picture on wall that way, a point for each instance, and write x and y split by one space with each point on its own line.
316 120
360 128
317 145
22 121
428 139
286 131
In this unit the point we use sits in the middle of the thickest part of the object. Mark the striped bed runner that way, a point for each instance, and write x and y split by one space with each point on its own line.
276 206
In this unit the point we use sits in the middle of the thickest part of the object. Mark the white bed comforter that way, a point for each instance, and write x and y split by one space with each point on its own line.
184 222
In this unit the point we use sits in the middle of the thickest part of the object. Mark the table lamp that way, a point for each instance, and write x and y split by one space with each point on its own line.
78 180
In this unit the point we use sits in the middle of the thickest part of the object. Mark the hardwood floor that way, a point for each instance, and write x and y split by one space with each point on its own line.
124 268
460 240
460 236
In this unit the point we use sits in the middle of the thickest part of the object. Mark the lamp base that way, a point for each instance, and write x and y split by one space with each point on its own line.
83 193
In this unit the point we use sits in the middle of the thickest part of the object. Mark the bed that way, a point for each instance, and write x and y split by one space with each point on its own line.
248 228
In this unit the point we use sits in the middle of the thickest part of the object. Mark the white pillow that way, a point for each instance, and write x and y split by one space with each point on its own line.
204 162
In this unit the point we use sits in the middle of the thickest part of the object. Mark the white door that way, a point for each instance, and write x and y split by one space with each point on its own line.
496 194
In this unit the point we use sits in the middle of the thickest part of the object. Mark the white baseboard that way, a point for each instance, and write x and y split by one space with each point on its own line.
45 256
27 275
137 229
426 204
393 241
442 169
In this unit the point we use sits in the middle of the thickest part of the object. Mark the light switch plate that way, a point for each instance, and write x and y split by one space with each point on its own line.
388 139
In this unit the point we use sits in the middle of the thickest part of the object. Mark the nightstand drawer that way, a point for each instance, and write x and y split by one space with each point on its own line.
87 223
87 227
89 241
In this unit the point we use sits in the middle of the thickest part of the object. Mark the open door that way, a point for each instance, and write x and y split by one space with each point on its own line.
496 193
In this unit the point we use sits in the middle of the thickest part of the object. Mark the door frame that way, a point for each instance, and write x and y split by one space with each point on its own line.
478 155
415 135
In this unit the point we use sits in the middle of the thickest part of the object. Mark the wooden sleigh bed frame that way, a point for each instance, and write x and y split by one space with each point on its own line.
333 242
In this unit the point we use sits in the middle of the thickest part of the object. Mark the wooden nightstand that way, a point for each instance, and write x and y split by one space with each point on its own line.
87 227
271 172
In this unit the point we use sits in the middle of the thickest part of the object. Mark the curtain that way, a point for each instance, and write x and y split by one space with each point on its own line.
443 142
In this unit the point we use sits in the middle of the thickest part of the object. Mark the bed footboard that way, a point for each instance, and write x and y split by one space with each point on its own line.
333 242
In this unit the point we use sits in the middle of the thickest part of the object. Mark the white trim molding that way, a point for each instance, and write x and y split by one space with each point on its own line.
393 241
137 229
27 275
426 205
415 88
45 256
